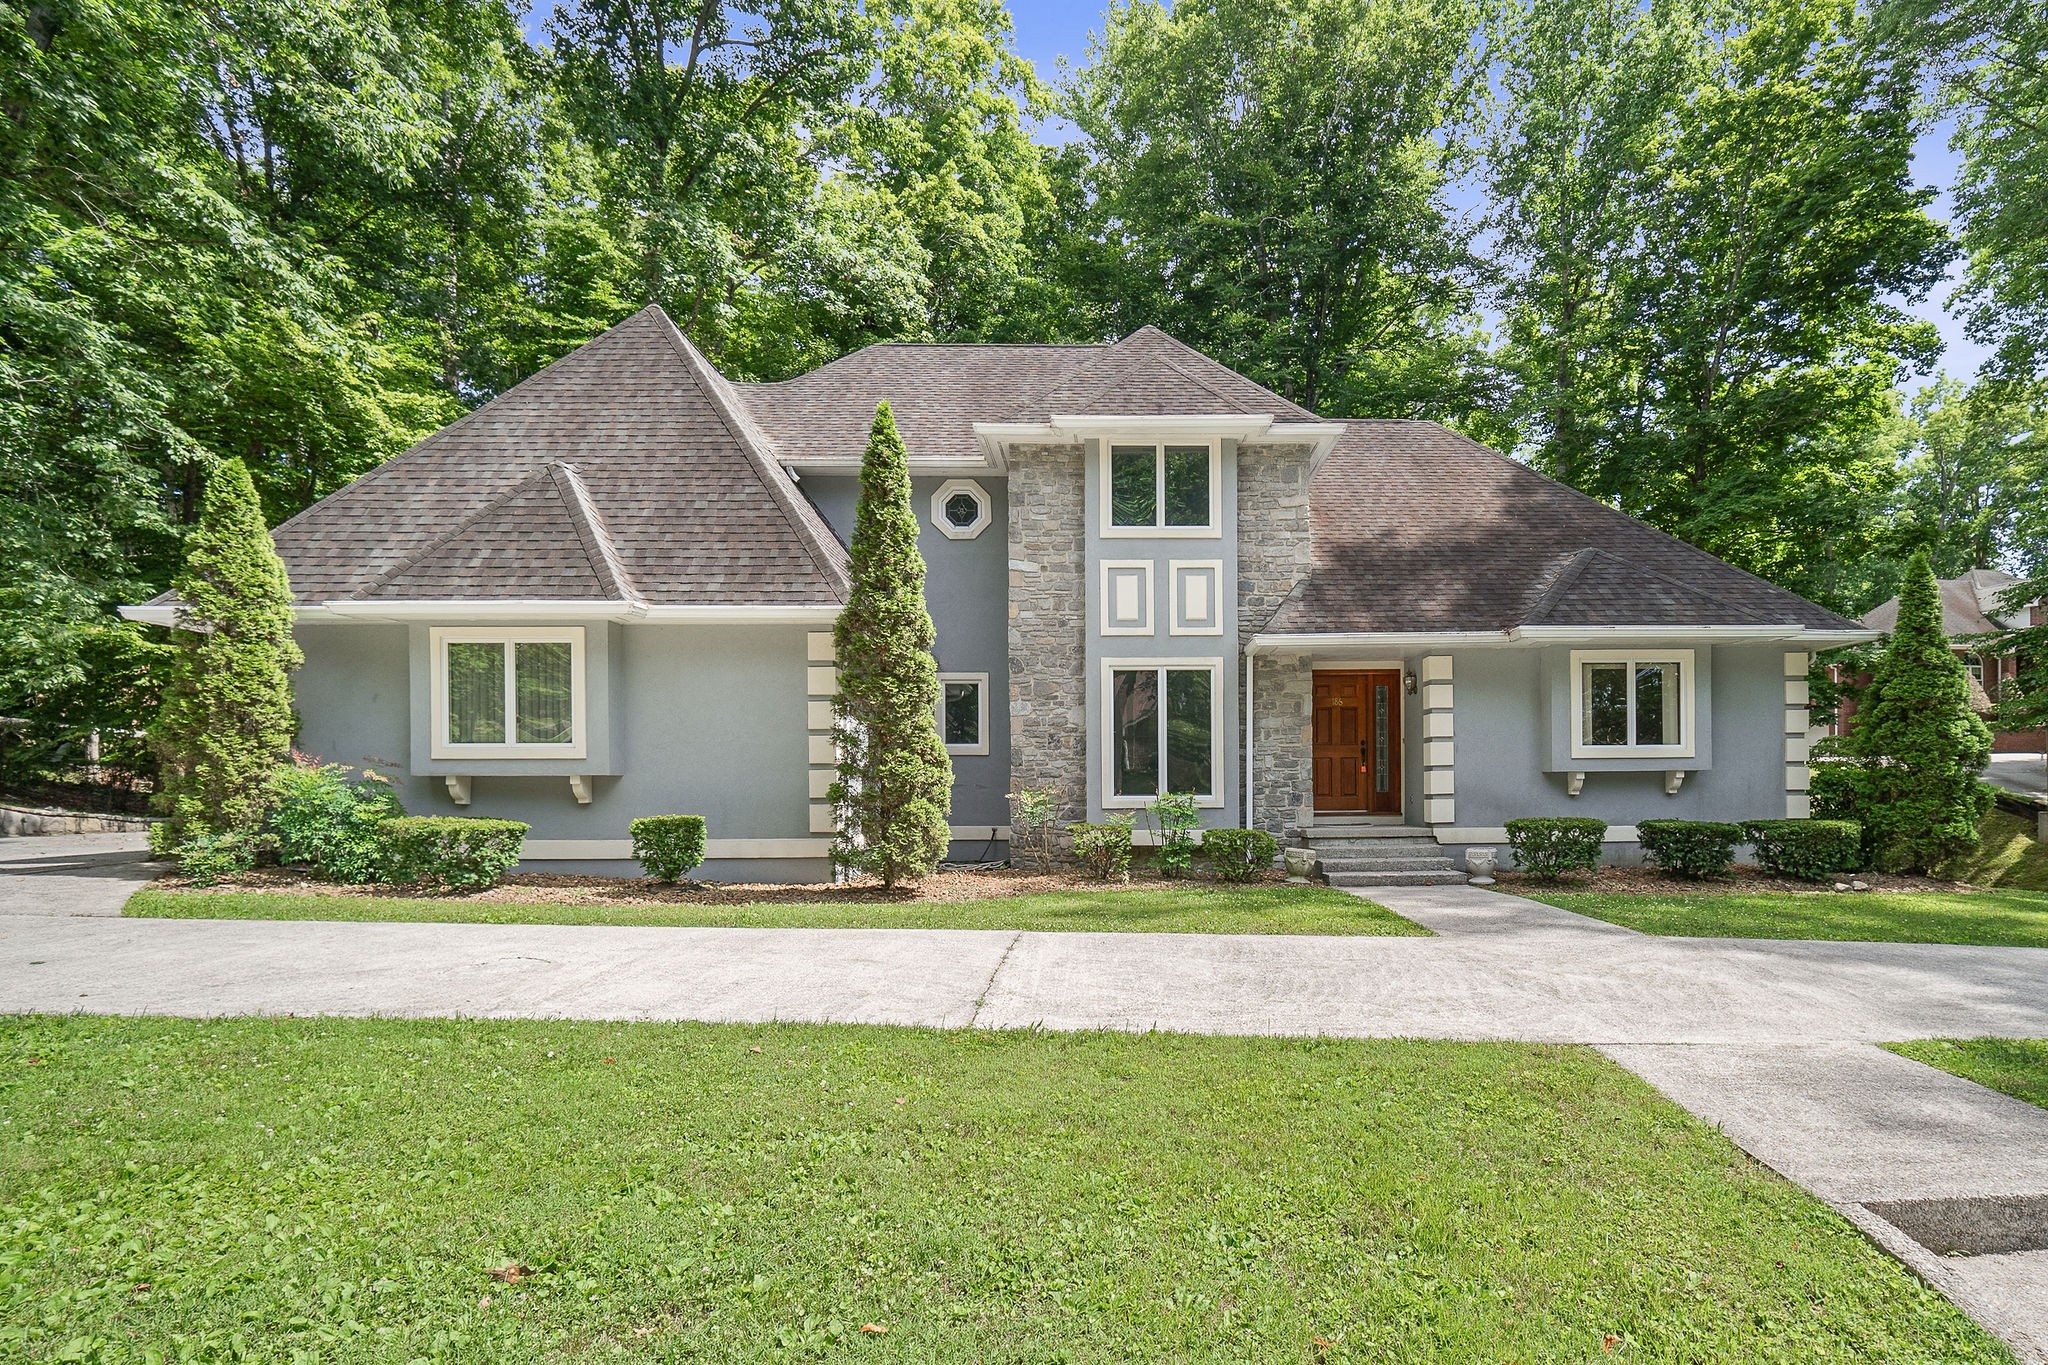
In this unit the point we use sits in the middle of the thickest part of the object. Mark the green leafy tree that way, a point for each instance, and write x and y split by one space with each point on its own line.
227 719
895 777
1913 753
1708 231
1972 478
1269 183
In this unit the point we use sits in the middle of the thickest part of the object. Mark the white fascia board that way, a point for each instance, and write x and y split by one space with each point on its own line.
1732 634
919 467
1377 639
529 610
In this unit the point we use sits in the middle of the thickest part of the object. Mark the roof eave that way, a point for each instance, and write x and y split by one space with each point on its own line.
1788 632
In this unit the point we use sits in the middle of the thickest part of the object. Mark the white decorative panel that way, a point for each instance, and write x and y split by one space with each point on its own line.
1126 597
1197 596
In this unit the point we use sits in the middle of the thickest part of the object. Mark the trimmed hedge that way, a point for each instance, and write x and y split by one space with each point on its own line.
1812 850
1103 849
668 847
1690 848
451 852
1238 855
1550 846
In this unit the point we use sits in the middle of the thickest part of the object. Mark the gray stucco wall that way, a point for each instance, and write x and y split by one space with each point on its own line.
966 585
708 720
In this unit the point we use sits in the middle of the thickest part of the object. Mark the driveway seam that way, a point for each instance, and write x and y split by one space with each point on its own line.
988 987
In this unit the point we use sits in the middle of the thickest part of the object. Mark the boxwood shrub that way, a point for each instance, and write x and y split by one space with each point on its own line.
450 852
668 847
1690 848
1812 850
1238 855
1550 846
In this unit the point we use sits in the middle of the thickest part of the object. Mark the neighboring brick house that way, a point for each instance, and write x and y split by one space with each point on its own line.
609 592
1971 611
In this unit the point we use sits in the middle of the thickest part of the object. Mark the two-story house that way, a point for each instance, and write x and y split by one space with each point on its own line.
610 591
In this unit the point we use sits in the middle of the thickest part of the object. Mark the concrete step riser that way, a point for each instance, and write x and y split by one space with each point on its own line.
1387 865
1395 878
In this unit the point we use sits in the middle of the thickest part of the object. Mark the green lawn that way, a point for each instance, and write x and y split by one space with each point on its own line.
1997 918
2010 856
1192 909
2017 1066
343 1190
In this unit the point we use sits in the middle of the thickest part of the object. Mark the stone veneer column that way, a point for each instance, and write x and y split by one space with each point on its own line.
822 682
1273 545
1048 548
1439 743
1798 744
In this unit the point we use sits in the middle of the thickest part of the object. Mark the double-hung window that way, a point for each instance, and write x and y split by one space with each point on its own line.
508 693
1161 727
1632 703
1166 489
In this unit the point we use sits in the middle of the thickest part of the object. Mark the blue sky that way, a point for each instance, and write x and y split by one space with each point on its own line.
1048 30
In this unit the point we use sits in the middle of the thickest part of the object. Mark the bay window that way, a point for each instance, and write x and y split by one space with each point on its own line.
508 693
1632 703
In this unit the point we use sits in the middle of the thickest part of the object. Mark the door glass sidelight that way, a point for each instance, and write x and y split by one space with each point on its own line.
1382 776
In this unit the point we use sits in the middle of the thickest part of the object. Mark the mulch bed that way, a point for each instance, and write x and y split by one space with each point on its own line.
1743 880
946 886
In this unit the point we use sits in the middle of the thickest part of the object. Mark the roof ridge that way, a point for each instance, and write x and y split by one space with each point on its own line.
1637 522
1561 578
593 531
1182 346
774 479
544 474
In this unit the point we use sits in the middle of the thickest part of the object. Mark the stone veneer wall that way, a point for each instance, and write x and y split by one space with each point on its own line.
1273 544
1048 631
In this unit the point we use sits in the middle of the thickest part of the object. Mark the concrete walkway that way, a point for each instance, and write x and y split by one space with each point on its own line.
72 874
1771 1040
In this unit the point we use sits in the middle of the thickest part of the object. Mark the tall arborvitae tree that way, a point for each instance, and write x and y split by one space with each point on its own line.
227 714
1915 748
895 778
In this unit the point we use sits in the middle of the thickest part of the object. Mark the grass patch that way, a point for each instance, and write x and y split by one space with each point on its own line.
258 1188
2016 1066
2015 919
2009 858
1191 909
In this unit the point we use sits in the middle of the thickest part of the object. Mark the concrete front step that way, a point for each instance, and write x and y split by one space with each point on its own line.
1341 830
1445 877
1418 863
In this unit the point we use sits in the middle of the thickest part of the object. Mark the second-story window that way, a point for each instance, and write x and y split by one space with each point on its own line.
1161 487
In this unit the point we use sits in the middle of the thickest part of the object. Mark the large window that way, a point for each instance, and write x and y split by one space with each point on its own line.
1161 489
508 693
963 712
1632 703
1161 732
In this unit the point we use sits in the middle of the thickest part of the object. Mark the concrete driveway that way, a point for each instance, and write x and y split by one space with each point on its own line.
1773 1041
2024 774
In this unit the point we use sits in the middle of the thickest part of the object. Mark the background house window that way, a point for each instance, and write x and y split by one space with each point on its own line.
1152 486
1629 704
1181 731
963 712
508 692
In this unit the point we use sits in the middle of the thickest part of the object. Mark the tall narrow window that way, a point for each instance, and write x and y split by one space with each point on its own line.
1168 489
1630 704
963 712
1161 727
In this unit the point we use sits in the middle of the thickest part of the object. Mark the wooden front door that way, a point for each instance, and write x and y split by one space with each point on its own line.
1358 741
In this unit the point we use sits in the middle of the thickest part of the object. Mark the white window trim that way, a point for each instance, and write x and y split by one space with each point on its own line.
1688 693
1110 667
1110 569
945 494
438 640
1213 531
1214 569
980 680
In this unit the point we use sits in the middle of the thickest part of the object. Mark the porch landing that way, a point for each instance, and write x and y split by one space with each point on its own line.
1359 853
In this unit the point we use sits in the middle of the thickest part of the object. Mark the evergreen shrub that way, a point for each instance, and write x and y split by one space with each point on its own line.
1176 818
1551 846
1690 848
207 859
1105 848
1239 855
450 852
1811 850
330 822
668 847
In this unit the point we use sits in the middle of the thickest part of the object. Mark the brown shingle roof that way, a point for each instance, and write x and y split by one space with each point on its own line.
1970 605
938 393
668 489
1419 529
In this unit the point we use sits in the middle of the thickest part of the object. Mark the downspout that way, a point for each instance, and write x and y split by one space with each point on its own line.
1251 713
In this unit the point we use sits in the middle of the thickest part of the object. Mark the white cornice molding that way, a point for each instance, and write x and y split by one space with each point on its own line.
1069 428
1533 636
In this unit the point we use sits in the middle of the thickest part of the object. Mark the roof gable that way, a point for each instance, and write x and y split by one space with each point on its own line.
630 445
1149 374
